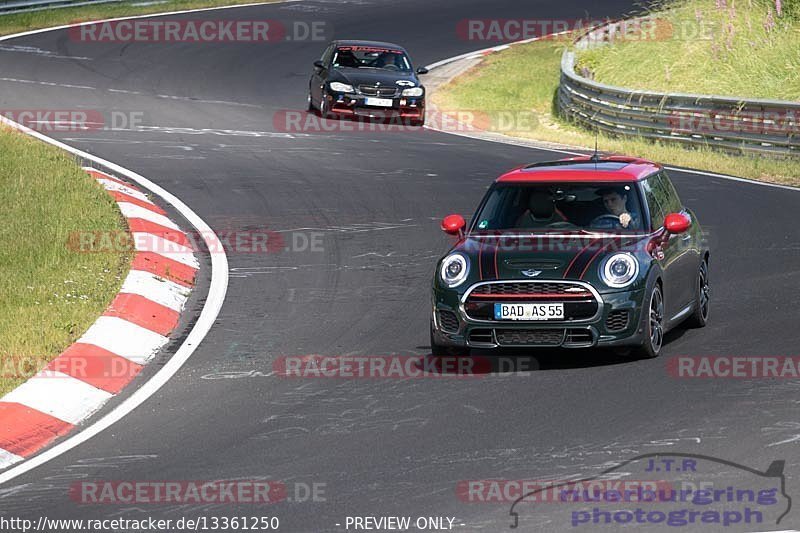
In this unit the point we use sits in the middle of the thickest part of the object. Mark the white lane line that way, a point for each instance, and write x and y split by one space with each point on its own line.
152 15
149 242
123 338
114 186
7 458
48 83
158 290
130 210
213 304
56 394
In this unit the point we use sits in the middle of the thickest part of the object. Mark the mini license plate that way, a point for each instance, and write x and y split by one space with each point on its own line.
528 311
379 102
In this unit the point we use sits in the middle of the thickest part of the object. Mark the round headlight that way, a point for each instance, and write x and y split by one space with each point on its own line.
413 91
454 270
619 270
341 87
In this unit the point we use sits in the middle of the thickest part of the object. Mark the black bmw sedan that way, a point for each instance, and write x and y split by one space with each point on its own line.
367 79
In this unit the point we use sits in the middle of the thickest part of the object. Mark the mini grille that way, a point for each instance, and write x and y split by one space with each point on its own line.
374 90
529 337
554 288
617 320
448 321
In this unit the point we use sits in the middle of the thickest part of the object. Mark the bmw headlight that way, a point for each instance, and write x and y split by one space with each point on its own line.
619 270
454 270
341 87
413 91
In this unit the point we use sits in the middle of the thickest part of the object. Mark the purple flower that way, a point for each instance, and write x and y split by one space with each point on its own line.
769 22
778 7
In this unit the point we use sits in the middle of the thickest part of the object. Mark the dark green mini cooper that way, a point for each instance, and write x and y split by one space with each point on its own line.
575 253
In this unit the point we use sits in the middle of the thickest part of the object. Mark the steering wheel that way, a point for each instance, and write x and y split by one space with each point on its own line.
562 225
605 221
390 66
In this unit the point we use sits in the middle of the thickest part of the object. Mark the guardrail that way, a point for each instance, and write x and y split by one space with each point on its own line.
23 6
733 124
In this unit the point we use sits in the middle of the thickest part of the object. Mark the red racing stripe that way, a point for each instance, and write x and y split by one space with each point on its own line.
602 248
143 312
577 255
96 366
164 267
24 430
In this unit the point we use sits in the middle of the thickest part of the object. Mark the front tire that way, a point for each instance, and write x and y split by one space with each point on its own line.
438 350
311 107
654 325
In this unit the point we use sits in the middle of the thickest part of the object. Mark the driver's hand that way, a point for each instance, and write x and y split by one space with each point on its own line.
625 219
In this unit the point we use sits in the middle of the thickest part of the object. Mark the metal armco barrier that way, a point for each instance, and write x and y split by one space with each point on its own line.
734 124
23 6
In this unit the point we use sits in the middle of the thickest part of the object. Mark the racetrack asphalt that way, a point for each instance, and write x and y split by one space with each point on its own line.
372 201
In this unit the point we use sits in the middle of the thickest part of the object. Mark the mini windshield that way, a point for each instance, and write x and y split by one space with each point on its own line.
371 57
612 207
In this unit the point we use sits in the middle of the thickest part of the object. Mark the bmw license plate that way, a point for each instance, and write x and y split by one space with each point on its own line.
528 311
379 102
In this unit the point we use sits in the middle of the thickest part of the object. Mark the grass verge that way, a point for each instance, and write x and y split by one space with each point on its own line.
49 293
19 22
522 82
725 47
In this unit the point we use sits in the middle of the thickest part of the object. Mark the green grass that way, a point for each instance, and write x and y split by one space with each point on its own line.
715 48
523 80
49 293
14 23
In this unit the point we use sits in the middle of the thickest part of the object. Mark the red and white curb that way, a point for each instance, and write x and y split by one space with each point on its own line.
115 348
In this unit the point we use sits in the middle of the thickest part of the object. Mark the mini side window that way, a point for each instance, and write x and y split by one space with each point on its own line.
656 201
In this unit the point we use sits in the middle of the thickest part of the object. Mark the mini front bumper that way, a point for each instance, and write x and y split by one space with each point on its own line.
451 326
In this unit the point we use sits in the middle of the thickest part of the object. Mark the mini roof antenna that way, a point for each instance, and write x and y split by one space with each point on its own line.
595 156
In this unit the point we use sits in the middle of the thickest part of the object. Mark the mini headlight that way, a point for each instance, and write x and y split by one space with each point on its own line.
619 270
454 270
413 91
341 87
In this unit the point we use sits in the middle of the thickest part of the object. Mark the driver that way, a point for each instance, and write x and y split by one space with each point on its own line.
541 211
616 203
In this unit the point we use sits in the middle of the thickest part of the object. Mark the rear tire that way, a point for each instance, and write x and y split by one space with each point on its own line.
654 325
311 107
699 317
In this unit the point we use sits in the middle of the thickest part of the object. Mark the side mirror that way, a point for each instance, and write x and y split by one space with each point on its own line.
319 64
677 223
453 224
422 70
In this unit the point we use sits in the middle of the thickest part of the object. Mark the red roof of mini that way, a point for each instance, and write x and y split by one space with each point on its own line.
584 168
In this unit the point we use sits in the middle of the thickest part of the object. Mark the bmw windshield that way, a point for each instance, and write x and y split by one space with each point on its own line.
370 57
614 207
